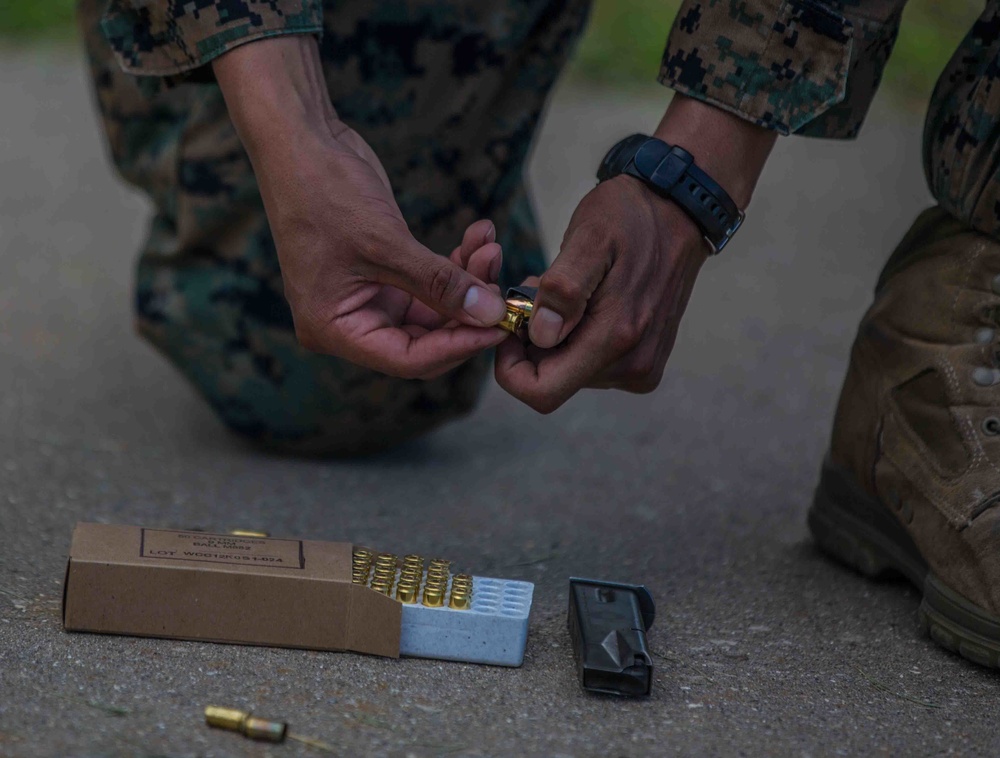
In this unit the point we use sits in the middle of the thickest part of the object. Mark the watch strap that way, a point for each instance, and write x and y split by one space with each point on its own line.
671 172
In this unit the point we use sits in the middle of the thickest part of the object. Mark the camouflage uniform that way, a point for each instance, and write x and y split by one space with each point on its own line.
805 67
448 93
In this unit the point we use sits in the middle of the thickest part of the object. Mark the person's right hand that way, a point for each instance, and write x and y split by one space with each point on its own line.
359 285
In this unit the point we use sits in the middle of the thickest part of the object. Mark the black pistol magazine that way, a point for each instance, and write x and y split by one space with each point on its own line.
608 623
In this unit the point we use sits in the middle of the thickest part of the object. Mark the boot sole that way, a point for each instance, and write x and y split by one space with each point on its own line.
856 529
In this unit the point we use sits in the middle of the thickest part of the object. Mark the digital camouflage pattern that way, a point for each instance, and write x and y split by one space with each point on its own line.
788 65
962 131
173 36
812 68
449 94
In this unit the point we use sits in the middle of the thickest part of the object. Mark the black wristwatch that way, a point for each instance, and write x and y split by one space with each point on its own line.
670 171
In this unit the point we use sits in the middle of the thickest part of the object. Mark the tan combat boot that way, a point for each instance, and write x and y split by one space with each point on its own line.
911 484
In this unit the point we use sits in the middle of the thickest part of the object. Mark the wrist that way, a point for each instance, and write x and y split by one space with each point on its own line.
276 93
729 149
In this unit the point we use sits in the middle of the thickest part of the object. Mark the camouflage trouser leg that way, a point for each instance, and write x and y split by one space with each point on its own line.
447 93
962 132
209 297
225 326
265 387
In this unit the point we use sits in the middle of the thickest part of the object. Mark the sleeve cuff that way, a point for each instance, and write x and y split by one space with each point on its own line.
171 37
777 63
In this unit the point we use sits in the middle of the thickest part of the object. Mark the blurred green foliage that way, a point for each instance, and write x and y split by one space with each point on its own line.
624 41
930 32
623 44
23 21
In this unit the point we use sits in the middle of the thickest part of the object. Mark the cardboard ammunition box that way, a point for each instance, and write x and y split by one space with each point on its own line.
224 588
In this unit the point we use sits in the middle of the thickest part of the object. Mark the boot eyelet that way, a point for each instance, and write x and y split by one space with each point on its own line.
985 377
991 426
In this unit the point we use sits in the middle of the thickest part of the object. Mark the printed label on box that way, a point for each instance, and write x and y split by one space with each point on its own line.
221 548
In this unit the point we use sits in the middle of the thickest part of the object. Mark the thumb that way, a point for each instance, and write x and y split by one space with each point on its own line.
444 286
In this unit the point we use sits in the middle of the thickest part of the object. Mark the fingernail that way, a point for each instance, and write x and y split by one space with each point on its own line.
544 327
485 307
491 234
495 265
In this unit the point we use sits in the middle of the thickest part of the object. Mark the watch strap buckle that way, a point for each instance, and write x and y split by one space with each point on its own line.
728 235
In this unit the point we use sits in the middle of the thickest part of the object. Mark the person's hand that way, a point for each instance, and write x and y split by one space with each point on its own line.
359 285
607 311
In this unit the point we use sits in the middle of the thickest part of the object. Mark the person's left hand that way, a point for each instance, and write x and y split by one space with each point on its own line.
607 311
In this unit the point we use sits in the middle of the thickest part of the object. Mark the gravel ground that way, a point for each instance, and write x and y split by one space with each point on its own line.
698 491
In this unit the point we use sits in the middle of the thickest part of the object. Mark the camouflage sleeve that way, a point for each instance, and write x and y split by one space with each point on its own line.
801 66
167 37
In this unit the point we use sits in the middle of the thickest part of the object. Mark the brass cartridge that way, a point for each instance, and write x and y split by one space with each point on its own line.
436 569
461 592
435 587
520 304
460 600
361 562
407 575
433 596
246 724
406 592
